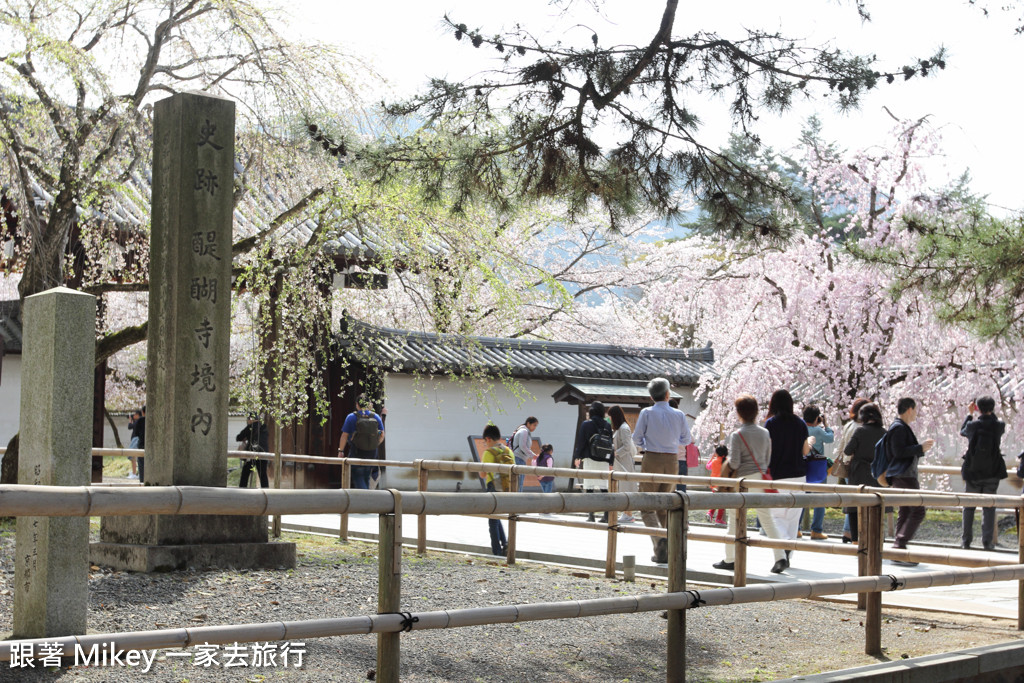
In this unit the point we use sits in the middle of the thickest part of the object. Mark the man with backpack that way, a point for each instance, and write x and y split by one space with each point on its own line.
983 466
903 452
365 429
660 431
593 451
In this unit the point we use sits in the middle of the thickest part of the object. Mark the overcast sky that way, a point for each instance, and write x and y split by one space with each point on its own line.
975 101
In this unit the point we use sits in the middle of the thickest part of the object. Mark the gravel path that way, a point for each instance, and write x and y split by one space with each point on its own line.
736 643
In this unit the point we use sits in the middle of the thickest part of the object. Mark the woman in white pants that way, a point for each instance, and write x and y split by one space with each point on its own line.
749 453
789 446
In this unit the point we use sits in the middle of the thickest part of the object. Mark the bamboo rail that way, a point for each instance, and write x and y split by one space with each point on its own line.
328 460
479 616
100 501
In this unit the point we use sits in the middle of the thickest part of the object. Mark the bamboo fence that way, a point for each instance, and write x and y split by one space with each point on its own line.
19 500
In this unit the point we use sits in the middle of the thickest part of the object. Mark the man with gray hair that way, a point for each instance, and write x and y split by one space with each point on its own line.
660 431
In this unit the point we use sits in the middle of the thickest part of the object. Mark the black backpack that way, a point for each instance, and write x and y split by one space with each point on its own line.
367 433
600 443
880 461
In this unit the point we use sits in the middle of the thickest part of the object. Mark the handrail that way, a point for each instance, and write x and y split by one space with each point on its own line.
103 501
453 465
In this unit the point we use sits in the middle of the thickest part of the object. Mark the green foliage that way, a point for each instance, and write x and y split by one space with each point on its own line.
611 126
968 261
771 198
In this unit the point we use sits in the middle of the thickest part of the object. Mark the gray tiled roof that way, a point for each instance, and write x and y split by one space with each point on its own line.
422 352
354 244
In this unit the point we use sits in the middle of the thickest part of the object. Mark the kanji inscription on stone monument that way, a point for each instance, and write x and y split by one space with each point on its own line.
190 293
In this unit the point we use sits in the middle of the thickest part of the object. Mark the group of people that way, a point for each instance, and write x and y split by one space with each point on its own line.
983 463
604 442
362 433
786 448
783 447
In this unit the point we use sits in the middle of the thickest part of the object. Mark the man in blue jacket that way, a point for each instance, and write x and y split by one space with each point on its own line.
904 452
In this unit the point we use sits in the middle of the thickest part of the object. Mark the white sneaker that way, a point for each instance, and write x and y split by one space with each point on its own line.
626 519
133 476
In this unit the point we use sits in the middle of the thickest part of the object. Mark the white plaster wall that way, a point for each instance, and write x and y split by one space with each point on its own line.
432 418
10 397
10 410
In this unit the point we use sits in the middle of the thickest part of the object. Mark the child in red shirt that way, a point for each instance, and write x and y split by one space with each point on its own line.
715 465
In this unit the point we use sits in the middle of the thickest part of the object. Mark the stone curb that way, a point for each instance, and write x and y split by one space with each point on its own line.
1003 662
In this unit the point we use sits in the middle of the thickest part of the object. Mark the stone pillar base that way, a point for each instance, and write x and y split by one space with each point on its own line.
153 543
167 558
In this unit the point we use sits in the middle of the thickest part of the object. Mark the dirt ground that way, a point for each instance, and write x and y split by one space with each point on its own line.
755 642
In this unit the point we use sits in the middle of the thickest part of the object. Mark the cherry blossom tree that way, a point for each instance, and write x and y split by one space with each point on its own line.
810 316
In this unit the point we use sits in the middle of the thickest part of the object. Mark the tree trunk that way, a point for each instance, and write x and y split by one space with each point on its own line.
44 268
9 467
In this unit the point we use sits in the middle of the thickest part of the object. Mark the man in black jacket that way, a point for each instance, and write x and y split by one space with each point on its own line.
256 439
583 456
904 451
983 467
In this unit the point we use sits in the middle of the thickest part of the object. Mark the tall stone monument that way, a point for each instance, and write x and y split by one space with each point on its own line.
190 291
187 357
51 566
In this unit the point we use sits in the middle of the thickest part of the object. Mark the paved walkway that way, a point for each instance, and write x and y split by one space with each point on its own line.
586 547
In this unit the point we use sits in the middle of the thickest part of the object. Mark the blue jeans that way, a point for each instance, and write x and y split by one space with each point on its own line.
683 469
817 519
361 476
817 473
499 544
520 461
361 473
548 486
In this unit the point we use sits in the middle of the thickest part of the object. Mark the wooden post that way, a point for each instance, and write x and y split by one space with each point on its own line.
613 534
862 552
276 521
739 574
1020 559
510 556
421 529
346 483
890 520
389 590
676 667
873 603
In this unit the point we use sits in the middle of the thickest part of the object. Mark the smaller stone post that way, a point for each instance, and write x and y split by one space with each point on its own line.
51 567
1020 559
629 568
